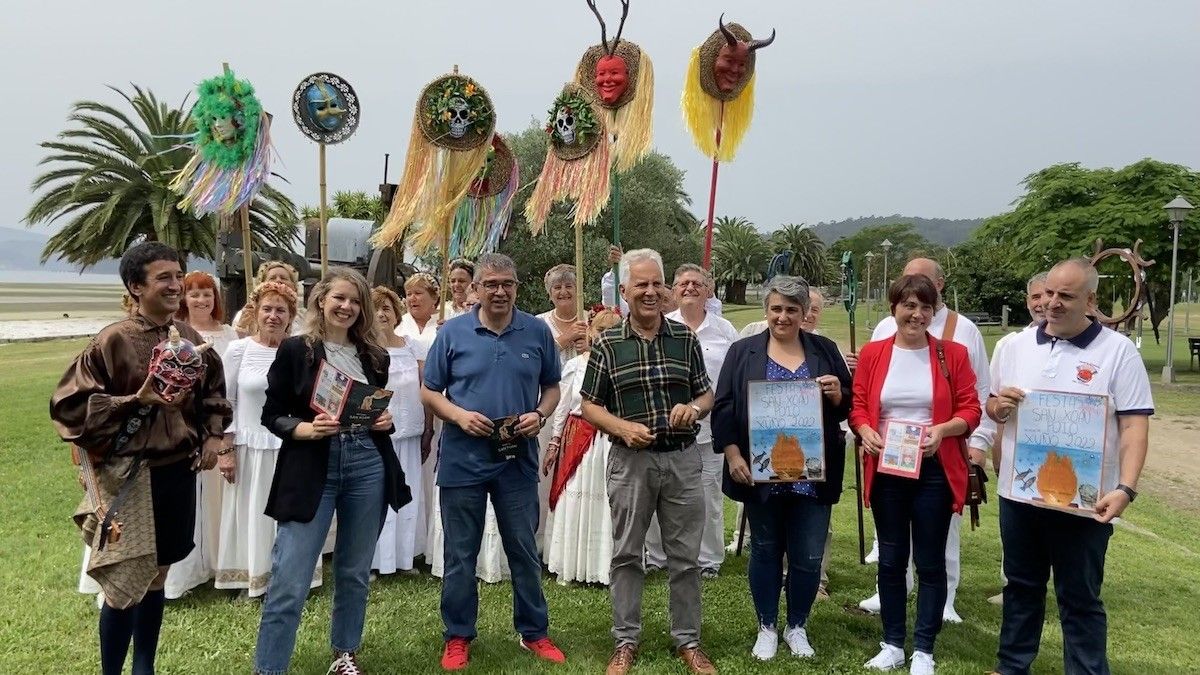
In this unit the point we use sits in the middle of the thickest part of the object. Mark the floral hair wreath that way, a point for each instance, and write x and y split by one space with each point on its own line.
427 278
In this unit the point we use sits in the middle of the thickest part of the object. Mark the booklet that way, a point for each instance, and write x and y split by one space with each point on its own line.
1058 461
787 433
352 403
902 453
506 442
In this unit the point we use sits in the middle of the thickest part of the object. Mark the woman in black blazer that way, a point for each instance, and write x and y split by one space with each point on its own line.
323 468
790 518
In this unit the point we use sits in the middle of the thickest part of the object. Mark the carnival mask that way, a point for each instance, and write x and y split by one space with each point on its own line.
225 129
176 365
612 78
458 119
325 106
733 60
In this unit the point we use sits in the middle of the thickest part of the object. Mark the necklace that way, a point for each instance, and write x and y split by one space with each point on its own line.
554 313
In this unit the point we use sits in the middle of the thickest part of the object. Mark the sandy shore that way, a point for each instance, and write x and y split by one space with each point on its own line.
31 330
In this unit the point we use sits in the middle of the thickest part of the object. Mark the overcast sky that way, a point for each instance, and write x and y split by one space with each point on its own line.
935 108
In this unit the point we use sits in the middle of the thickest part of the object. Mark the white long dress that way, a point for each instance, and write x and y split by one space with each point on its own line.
247 535
579 530
403 535
565 354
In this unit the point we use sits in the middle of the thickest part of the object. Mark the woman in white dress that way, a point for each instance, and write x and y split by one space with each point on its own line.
462 271
281 272
403 535
247 460
570 333
578 543
203 310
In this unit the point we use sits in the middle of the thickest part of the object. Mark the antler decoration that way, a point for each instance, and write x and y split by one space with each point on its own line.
733 41
620 27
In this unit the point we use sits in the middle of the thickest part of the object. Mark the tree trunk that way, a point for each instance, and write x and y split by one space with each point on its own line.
736 292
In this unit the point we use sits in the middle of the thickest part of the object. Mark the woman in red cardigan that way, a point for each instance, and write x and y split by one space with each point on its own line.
917 378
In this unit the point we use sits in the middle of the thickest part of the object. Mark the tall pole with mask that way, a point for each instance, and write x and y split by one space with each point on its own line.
849 301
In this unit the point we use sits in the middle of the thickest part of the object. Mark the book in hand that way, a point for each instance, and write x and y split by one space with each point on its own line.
505 440
902 452
350 402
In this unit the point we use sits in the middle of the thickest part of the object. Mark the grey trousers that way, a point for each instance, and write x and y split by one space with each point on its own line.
641 484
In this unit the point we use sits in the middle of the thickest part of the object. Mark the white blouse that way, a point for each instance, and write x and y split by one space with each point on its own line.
220 338
907 392
407 412
421 340
246 364
571 386
565 354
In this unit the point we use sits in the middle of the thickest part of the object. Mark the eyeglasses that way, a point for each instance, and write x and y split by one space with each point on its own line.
492 286
688 282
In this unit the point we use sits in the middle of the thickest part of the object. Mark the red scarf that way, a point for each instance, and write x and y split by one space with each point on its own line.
576 439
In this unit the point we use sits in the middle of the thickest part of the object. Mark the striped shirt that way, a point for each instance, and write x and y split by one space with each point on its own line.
641 380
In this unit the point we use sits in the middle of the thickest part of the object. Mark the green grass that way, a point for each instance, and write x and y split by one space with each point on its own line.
1153 574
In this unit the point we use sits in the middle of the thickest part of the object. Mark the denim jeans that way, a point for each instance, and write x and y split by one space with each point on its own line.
915 512
515 500
795 525
1036 541
354 489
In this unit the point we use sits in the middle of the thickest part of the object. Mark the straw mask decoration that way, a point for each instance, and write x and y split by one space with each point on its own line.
481 220
577 160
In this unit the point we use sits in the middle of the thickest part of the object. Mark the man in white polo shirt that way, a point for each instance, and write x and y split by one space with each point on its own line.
946 325
1073 353
691 287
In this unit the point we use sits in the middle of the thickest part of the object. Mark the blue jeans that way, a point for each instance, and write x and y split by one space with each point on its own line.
796 525
915 512
515 500
353 488
1036 540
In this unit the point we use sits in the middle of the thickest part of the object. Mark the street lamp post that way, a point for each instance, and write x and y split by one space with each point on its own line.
1177 210
870 307
886 245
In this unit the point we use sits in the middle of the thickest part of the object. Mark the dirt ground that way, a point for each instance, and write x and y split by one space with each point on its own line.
1172 464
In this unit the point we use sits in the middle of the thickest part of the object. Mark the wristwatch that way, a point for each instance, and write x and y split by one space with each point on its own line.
1129 491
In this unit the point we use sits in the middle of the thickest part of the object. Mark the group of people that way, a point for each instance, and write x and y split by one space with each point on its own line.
596 447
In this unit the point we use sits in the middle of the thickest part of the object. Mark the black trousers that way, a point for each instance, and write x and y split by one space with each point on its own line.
1036 541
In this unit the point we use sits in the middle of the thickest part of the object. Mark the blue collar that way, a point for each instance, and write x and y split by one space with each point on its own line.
518 322
1082 340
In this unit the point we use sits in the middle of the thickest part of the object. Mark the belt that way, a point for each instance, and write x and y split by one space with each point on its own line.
654 447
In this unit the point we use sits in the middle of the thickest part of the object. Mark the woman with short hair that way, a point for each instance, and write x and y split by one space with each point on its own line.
403 535
914 377
568 329
419 323
280 272
462 272
784 518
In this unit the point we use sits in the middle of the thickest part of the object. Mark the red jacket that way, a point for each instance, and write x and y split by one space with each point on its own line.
963 403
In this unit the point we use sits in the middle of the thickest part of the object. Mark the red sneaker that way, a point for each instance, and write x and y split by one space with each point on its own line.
457 654
544 649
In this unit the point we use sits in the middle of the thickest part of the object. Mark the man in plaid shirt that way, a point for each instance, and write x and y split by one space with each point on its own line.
646 387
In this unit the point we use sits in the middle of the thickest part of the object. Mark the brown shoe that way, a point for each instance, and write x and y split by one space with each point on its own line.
697 661
622 660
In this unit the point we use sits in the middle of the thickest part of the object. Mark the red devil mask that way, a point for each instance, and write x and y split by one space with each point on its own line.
612 78
176 364
733 59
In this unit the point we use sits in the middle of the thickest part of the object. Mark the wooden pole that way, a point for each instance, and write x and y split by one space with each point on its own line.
247 250
324 217
579 314
445 289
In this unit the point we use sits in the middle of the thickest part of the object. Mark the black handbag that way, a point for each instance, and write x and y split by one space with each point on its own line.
976 477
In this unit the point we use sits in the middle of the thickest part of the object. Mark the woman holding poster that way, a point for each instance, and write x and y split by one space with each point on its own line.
781 397
913 430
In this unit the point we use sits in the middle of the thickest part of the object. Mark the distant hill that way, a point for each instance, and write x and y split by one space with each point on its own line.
943 231
21 249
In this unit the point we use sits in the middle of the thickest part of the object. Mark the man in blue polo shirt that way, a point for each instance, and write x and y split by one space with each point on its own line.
1071 353
492 374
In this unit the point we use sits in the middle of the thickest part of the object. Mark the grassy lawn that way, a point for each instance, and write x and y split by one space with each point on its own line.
1153 574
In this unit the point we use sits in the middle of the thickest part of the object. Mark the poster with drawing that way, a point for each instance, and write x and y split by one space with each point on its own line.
902 453
1059 456
787 432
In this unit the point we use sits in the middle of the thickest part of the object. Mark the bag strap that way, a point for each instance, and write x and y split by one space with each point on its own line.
951 325
940 348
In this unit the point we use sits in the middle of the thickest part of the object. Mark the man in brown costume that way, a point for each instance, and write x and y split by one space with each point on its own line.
139 448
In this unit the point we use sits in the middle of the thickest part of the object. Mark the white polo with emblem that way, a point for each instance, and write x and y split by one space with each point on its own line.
1097 361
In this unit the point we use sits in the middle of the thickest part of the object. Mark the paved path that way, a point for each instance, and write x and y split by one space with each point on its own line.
49 329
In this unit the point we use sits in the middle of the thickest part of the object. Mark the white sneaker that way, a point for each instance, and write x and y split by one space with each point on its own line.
873 554
949 615
870 605
797 639
922 664
888 658
766 644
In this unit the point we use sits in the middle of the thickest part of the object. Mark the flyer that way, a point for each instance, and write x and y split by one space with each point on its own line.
787 431
345 399
902 453
1059 455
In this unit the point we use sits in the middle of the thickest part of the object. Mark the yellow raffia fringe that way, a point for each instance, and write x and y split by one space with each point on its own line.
633 122
703 114
584 180
435 181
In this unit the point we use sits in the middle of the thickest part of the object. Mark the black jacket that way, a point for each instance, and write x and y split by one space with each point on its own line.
301 467
746 361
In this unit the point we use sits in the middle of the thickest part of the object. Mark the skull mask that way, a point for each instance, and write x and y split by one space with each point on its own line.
564 125
176 364
458 117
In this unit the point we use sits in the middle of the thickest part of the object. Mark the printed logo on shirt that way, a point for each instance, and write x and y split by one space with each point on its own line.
524 355
1084 372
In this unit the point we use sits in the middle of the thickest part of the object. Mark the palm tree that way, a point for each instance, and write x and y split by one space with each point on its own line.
353 204
109 178
808 252
740 255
